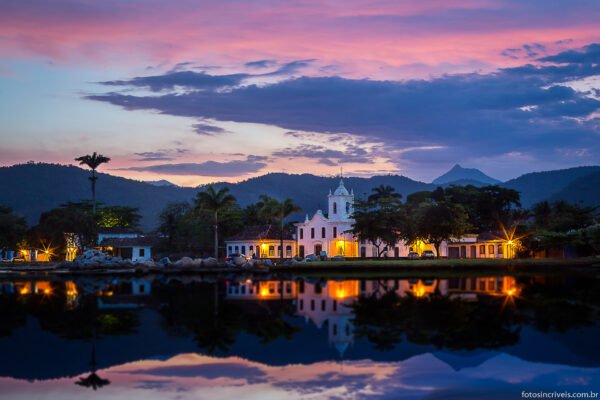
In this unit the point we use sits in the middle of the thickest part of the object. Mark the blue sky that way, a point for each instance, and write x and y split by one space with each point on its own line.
205 91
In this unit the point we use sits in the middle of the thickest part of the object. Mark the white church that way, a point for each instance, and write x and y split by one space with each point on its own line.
331 234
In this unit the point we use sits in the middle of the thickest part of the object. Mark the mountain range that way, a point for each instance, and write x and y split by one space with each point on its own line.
33 188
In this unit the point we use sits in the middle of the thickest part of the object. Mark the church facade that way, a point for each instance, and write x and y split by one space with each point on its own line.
330 233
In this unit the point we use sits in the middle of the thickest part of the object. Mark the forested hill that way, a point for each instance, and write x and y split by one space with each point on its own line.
552 185
32 188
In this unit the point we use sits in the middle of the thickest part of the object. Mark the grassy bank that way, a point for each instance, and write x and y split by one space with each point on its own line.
486 263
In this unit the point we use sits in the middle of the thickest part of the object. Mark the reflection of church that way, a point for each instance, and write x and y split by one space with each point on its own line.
329 302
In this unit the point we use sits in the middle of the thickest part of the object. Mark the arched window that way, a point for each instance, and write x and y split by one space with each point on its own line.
347 208
334 207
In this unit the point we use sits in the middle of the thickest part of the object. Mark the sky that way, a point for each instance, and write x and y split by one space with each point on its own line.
195 376
204 91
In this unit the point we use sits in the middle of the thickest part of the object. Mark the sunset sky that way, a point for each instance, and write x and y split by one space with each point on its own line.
201 91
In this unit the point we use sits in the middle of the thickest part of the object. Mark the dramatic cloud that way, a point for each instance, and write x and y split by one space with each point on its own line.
233 168
352 154
589 54
191 80
153 156
208 130
259 64
529 109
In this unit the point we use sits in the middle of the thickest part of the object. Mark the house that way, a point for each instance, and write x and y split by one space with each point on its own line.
262 241
137 249
483 245
330 233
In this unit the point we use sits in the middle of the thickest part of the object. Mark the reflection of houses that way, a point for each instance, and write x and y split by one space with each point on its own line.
330 302
262 241
260 290
417 287
136 248
495 286
484 245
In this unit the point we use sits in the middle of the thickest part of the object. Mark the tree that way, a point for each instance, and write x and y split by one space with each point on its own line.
382 192
214 201
93 162
488 207
171 220
379 219
440 221
276 210
118 216
12 228
68 218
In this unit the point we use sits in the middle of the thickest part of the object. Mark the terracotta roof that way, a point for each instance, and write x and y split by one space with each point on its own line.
144 241
261 232
489 236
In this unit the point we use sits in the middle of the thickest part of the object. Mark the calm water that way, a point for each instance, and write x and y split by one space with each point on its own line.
248 337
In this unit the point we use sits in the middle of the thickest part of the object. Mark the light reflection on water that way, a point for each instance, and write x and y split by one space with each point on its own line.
273 337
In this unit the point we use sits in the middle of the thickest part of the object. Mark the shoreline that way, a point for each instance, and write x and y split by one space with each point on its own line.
338 268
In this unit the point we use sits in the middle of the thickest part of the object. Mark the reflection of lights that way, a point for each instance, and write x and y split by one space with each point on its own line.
24 291
248 280
419 289
47 291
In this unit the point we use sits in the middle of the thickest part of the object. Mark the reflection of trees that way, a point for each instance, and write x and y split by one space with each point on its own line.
441 321
93 380
77 323
194 308
559 304
12 314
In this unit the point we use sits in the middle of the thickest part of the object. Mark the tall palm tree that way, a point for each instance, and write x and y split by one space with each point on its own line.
214 201
274 209
383 192
93 161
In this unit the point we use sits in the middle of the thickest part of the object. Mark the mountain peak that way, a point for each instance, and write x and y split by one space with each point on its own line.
458 173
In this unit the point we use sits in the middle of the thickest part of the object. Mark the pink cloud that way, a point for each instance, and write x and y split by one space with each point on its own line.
366 38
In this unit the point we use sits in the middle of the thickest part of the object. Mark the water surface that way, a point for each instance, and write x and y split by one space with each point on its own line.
190 337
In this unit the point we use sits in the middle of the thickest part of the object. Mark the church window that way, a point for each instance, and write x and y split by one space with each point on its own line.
334 207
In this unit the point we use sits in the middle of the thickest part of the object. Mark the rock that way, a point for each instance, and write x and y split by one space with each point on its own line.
266 262
239 261
149 264
165 261
210 262
184 262
197 262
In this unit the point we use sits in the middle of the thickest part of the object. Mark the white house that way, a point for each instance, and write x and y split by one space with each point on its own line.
137 249
331 234
262 241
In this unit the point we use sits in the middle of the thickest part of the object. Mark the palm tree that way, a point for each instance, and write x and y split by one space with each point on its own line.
384 192
93 161
215 201
274 209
